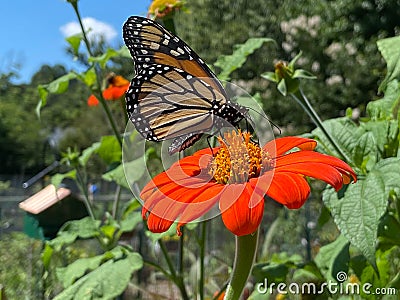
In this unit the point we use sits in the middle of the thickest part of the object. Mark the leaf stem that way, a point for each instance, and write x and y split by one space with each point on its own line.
301 98
246 248
177 279
82 186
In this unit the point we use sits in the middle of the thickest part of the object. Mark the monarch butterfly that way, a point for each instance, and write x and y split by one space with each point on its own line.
174 95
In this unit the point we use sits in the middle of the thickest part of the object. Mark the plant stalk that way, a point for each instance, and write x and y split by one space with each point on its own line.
246 248
307 107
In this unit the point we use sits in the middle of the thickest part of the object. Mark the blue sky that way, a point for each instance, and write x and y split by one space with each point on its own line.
31 32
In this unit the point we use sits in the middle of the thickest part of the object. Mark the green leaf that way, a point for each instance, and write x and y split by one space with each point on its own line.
110 149
129 223
388 106
343 130
46 255
104 58
300 73
89 77
88 152
57 179
357 214
365 152
75 41
77 269
332 259
58 86
84 228
390 51
282 88
105 282
229 63
270 76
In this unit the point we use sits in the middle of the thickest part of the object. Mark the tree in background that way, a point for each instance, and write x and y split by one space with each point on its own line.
338 39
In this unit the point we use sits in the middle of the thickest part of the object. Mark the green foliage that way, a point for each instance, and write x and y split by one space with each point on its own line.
230 63
389 49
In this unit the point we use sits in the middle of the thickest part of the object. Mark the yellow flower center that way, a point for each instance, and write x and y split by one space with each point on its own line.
239 159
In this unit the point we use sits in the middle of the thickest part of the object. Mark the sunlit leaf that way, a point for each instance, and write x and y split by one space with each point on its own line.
357 214
57 179
110 149
75 41
390 51
229 63
107 281
104 58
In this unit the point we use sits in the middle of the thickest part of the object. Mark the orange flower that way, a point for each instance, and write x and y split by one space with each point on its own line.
117 86
238 177
162 8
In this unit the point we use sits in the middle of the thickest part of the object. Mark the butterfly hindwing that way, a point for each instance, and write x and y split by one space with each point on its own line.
167 103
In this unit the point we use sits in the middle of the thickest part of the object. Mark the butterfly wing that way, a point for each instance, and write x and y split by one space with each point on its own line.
174 95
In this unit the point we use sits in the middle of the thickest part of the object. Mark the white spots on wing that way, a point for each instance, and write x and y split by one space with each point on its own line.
144 51
174 53
180 50
165 42
154 46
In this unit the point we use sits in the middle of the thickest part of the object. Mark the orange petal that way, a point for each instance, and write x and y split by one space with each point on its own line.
201 204
92 101
239 216
320 166
282 145
289 189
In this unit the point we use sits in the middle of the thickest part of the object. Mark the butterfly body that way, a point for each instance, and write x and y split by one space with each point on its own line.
174 95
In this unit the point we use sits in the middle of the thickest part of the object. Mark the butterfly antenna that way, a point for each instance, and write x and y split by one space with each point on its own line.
263 116
209 145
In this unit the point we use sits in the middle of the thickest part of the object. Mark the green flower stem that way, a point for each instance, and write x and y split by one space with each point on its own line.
99 95
246 248
301 98
202 244
83 188
178 280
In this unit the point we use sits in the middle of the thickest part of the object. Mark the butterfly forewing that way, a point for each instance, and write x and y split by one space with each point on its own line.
174 95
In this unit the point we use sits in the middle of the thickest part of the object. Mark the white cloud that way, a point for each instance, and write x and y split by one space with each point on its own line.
93 27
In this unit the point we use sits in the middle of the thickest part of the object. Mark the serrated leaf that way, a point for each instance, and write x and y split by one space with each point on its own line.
229 63
74 41
343 130
57 179
389 49
110 149
105 282
365 152
386 107
357 214
334 258
104 58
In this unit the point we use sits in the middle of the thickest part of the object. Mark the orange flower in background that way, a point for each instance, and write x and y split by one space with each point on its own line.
162 8
117 86
238 177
